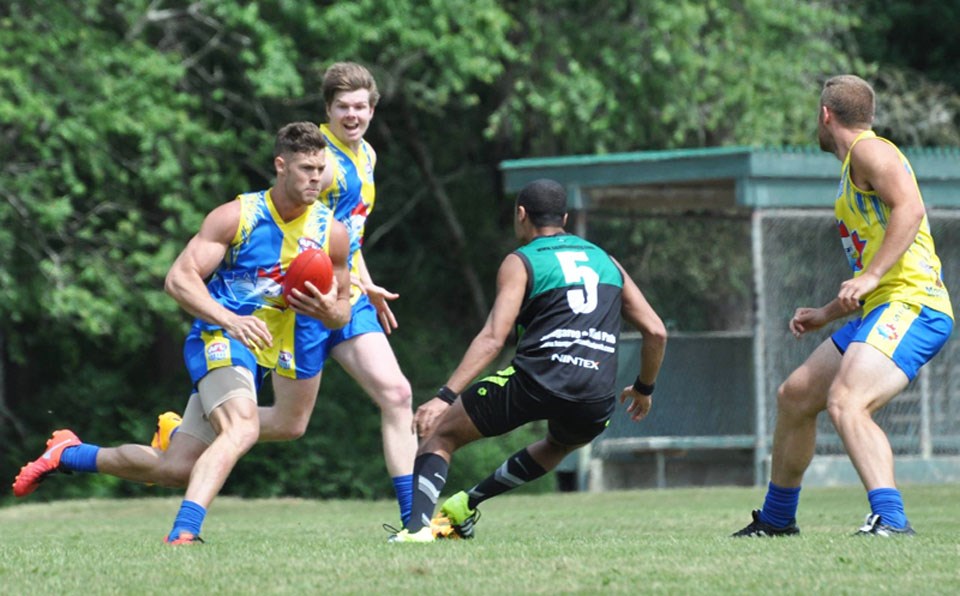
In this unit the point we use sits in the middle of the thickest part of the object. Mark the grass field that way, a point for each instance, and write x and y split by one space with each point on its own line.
668 541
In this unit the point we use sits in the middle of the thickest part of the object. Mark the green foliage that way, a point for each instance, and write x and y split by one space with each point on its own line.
626 76
95 152
916 36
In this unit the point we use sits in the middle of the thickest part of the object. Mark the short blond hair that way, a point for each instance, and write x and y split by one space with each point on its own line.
348 76
850 99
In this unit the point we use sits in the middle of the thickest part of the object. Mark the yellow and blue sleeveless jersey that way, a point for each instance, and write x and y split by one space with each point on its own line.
862 218
353 192
249 281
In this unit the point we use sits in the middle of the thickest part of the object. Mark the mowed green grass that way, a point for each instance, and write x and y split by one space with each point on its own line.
659 541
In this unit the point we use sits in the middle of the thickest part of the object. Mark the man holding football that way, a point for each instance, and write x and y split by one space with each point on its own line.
244 328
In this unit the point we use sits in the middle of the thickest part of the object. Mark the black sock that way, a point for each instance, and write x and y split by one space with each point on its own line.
518 469
429 477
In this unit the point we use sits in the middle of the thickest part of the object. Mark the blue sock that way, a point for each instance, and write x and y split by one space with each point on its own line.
80 458
780 507
403 486
189 518
888 504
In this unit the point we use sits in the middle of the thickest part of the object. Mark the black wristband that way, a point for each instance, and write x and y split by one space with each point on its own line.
642 388
446 394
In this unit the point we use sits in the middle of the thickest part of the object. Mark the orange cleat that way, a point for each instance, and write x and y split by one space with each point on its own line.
167 425
441 527
32 474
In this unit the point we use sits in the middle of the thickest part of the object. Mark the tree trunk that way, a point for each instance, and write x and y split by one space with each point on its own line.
6 414
437 190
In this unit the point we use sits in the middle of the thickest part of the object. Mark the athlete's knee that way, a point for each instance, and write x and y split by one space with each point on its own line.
560 449
245 436
289 429
794 398
396 396
841 408
241 429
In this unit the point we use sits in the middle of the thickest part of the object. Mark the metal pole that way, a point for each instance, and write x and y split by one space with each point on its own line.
926 434
759 363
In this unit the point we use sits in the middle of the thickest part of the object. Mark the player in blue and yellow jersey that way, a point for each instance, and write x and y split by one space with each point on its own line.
566 298
361 347
903 318
244 329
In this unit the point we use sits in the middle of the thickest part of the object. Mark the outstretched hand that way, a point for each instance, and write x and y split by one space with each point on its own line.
640 404
378 298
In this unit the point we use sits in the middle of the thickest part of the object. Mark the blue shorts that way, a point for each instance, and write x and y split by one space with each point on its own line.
363 319
206 351
290 356
908 334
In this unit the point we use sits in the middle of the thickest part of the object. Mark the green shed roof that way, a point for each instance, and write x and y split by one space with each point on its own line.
752 177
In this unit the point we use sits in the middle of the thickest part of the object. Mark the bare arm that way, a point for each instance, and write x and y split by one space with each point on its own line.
638 312
511 286
875 165
198 260
810 319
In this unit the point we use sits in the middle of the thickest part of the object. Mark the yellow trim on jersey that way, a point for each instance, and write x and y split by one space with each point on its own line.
364 161
280 355
862 217
216 349
353 155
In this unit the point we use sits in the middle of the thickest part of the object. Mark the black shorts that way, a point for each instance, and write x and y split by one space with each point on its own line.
509 399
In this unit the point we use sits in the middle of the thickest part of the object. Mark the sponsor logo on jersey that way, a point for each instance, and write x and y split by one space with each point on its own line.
576 361
304 244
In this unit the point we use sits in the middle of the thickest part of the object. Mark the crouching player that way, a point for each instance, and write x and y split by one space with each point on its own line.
567 297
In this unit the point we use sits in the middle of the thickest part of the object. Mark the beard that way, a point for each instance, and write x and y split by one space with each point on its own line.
827 143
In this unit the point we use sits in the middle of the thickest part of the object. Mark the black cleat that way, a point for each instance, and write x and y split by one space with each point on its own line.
760 529
874 526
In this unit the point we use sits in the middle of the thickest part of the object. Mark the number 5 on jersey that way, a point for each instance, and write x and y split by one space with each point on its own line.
581 300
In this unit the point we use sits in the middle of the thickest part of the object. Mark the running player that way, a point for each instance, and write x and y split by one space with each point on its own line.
244 329
361 347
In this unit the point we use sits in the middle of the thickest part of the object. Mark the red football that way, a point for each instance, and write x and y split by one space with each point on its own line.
311 265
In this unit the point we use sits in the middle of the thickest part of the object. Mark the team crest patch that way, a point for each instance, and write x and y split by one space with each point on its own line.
217 351
888 331
285 360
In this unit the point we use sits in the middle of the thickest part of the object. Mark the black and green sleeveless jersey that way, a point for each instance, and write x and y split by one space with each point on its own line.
569 322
